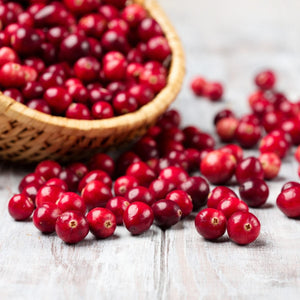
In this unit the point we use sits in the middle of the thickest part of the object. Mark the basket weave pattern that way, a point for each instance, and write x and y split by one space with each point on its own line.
27 135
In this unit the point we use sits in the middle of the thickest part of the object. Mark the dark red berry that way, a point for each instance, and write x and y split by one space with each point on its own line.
249 168
183 199
140 194
20 207
218 194
231 205
117 206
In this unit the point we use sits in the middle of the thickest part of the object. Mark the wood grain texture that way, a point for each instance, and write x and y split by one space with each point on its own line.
227 40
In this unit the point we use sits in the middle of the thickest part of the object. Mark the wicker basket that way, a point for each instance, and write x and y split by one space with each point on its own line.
27 135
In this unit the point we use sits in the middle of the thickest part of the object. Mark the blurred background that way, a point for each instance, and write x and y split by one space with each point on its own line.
231 41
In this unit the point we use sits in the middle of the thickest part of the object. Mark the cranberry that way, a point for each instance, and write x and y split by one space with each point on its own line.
197 85
249 168
166 213
233 149
288 109
33 90
45 216
57 182
31 191
87 69
133 14
142 172
73 47
114 66
250 118
272 120
133 72
213 90
12 75
174 175
168 145
26 40
193 159
274 143
146 148
288 201
153 79
289 184
48 194
183 200
7 15
111 11
292 127
199 141
224 113
102 161
96 194
48 169
119 25
265 80
149 28
51 80
297 154
95 175
113 40
243 228
71 201
218 166
36 63
20 207
117 206
171 116
247 134
14 94
70 178
140 194
159 188
71 227
81 7
197 188
261 106
8 55
78 111
102 110
125 160
123 184
93 25
39 105
58 99
210 223
226 129
229 206
31 178
218 194
254 192
80 169
138 217
158 48
102 222
270 163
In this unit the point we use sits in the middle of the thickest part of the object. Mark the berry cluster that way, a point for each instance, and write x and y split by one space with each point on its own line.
81 59
203 88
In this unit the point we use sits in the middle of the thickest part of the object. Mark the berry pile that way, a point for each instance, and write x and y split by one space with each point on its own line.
157 181
81 59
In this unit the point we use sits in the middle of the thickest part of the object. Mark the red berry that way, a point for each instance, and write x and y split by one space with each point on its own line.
31 178
71 201
210 223
138 217
142 172
213 90
140 194
254 192
158 48
231 205
233 149
288 201
243 228
173 175
123 184
218 166
58 99
96 194
102 161
95 175
197 85
48 194
45 216
48 169
226 129
102 222
218 194
289 184
80 169
70 178
249 168
71 227
197 188
57 182
159 188
247 134
265 80
224 113
183 199
117 206
20 207
270 163
166 213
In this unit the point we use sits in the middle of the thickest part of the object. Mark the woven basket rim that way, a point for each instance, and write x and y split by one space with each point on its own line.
163 99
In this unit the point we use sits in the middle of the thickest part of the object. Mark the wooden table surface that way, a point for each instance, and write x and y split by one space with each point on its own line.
225 40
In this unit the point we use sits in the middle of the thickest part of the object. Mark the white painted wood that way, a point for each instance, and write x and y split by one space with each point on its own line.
226 40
